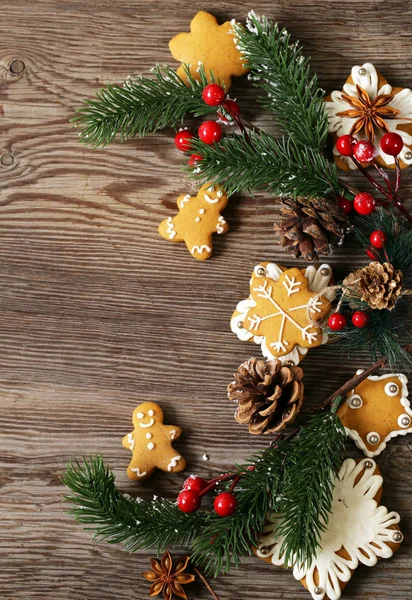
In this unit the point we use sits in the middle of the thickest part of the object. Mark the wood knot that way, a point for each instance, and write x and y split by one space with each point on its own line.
7 160
17 67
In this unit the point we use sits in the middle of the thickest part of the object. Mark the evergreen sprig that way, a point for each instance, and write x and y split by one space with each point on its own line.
308 488
259 162
141 105
280 68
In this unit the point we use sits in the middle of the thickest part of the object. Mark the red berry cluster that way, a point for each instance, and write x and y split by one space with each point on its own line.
337 321
189 499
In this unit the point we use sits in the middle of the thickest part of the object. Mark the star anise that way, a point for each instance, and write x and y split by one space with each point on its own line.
167 578
369 113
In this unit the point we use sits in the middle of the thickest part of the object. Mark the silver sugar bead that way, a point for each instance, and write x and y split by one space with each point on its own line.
393 388
373 439
408 155
368 464
397 537
261 271
355 402
289 363
318 590
361 71
324 271
240 324
264 550
405 421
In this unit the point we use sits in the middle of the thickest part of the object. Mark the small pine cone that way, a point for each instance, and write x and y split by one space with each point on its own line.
269 395
310 226
379 285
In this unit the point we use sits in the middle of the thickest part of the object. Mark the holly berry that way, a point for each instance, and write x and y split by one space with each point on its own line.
232 108
364 151
345 144
195 484
360 319
337 321
392 143
188 501
194 158
213 94
378 238
210 132
364 203
225 504
183 140
345 204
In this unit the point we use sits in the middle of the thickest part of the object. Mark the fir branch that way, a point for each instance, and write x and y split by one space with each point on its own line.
140 106
279 67
308 490
279 167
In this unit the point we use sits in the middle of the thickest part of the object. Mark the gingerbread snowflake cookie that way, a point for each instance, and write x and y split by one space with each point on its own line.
198 218
151 443
377 410
283 309
359 531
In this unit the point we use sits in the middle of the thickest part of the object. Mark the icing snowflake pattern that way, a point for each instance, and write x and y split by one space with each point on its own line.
366 536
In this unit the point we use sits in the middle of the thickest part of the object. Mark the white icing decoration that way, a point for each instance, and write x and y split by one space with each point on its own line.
130 440
172 434
197 219
292 286
401 417
170 228
210 200
205 457
151 413
150 446
184 200
149 424
149 436
202 211
220 224
404 402
137 471
388 390
140 415
173 462
365 536
201 249
349 401
219 193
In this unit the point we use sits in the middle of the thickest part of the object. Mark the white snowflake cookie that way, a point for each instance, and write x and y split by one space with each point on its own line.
283 310
377 410
359 531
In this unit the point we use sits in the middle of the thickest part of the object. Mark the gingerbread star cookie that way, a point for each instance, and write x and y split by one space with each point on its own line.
282 310
151 443
377 410
198 218
211 45
359 531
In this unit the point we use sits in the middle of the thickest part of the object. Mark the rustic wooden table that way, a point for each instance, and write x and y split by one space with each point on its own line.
99 314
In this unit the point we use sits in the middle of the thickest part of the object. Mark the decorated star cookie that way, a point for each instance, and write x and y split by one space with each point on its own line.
367 107
359 531
151 443
198 218
375 411
210 44
282 310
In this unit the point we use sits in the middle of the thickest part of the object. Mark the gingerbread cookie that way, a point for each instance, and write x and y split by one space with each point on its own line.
211 45
151 443
359 531
366 108
282 310
198 218
375 411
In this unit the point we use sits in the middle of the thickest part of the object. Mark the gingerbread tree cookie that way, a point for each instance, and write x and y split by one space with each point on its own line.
377 410
359 531
198 218
151 443
282 310
210 44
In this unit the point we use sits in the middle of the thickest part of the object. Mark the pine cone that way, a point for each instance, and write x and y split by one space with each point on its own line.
310 226
379 285
269 394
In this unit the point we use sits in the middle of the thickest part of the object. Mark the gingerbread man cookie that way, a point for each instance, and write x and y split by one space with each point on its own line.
210 44
151 443
198 218
377 410
282 310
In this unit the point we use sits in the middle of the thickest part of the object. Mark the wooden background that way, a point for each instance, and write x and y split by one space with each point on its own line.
98 314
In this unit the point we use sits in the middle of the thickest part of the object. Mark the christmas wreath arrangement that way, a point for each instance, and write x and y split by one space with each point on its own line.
289 503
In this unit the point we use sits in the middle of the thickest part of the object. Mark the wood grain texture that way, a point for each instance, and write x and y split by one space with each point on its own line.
97 313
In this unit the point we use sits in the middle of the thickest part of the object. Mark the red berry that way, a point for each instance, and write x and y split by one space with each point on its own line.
188 501
364 151
377 238
183 139
391 143
371 255
194 158
360 319
364 203
225 504
210 132
195 484
345 144
232 108
337 321
213 94
345 204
